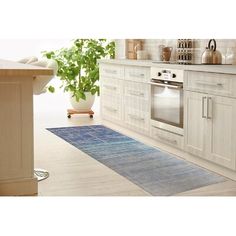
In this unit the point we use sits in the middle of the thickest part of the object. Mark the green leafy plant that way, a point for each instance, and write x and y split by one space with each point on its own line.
78 65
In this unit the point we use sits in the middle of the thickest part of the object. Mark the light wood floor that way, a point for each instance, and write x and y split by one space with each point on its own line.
73 173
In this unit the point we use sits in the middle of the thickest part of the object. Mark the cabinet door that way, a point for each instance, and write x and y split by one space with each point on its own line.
221 130
194 123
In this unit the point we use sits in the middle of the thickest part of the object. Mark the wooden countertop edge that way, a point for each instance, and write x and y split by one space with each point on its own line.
26 72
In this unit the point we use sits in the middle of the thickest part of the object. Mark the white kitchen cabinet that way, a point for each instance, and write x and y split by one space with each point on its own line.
111 71
111 108
137 91
137 120
221 131
136 106
136 103
167 137
194 124
137 73
210 129
111 85
125 96
209 111
211 83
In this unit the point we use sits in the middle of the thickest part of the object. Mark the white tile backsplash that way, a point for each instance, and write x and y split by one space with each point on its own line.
226 46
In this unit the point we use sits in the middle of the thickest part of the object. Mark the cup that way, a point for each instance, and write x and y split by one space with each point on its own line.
166 53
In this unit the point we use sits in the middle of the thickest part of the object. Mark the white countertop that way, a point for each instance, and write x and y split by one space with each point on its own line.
146 63
227 69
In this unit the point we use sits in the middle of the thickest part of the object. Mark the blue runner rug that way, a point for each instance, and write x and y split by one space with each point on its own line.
155 171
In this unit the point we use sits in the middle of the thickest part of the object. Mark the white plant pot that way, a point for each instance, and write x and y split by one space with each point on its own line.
82 105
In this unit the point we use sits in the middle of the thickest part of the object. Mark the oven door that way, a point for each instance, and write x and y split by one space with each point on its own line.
167 103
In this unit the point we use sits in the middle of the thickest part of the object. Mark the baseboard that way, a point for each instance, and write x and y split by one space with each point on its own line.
22 187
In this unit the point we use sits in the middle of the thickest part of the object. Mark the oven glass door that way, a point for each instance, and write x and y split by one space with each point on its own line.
167 104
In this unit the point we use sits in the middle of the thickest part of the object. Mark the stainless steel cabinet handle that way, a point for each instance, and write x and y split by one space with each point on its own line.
110 87
136 75
109 71
209 84
134 117
208 107
203 107
135 93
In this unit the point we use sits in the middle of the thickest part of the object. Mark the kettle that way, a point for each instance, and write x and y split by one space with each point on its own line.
211 55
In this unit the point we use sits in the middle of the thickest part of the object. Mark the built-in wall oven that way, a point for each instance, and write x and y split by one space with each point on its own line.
167 99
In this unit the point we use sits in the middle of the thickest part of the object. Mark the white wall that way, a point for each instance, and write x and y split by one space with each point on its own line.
14 49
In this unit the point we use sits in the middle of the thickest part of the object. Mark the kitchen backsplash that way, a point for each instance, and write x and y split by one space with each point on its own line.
227 47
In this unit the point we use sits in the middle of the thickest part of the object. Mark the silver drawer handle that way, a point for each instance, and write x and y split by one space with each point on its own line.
134 117
203 107
210 84
166 85
137 75
110 109
136 93
167 139
110 87
109 71
209 103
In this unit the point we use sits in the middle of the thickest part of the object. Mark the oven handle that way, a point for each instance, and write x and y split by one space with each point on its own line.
167 85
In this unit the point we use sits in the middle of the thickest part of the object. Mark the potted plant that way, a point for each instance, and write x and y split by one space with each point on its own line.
78 69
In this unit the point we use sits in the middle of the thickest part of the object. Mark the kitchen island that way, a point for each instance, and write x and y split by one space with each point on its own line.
16 127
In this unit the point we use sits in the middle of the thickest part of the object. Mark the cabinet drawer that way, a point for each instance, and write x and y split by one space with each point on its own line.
111 110
112 71
214 83
137 120
137 96
138 74
111 99
138 104
111 86
167 137
137 90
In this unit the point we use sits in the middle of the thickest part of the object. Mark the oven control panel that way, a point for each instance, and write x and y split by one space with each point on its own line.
167 74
